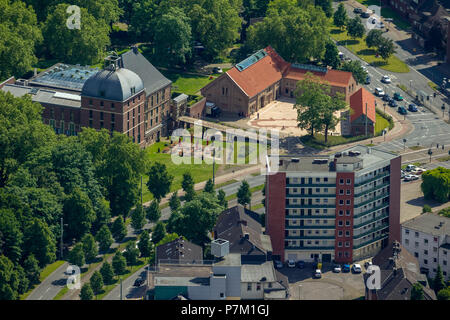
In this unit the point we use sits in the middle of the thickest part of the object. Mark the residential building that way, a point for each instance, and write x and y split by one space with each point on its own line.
179 251
343 207
399 271
264 77
129 96
427 237
244 235
360 118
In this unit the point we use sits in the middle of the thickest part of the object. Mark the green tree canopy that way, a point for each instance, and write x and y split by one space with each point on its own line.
374 38
174 202
439 280
188 186
85 46
76 255
31 267
386 48
107 273
119 264
221 196
355 28
138 217
86 292
159 231
9 280
11 236
244 195
96 282
340 17
331 57
39 241
209 186
78 214
417 292
104 238
159 180
356 69
436 184
89 247
118 229
144 245
131 253
153 212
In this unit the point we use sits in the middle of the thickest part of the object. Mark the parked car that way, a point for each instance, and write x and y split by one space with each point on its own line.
278 264
412 107
318 274
291 263
411 177
398 96
346 268
379 92
365 69
402 110
341 55
417 171
386 98
301 264
410 167
367 264
366 14
367 80
139 282
385 79
402 174
358 10
337 268
393 103
415 177
356 268
217 70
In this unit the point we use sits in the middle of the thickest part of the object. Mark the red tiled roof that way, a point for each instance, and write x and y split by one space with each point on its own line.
358 102
334 78
272 68
260 75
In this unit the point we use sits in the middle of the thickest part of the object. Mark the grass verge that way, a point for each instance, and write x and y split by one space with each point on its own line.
43 275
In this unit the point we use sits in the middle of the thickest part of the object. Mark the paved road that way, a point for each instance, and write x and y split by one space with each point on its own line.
48 289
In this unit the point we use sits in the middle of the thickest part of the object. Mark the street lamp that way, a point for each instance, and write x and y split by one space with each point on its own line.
214 163
443 110
430 153
404 144
384 105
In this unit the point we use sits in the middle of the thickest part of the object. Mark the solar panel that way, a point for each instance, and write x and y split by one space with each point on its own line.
251 60
72 77
310 67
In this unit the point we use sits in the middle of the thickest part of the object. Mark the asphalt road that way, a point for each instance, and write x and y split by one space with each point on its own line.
50 287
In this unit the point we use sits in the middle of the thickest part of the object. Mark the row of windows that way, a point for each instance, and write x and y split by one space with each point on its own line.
306 180
416 234
347 181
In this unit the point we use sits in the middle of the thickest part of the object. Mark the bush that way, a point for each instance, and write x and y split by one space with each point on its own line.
426 208
436 184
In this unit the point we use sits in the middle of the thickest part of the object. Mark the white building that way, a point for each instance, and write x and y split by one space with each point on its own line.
427 237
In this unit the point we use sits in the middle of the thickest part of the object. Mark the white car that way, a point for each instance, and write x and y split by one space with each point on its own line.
291 263
411 177
356 268
365 69
379 92
337 268
318 274
418 170
410 167
386 79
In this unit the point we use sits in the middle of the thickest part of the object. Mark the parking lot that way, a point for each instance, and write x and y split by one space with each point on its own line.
332 286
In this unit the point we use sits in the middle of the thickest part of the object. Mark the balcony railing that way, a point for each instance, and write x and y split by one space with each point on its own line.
362 214
371 200
365 243
384 226
385 215
378 176
380 186
312 248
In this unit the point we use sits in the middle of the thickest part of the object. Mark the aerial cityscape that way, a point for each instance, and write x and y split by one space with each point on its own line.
252 150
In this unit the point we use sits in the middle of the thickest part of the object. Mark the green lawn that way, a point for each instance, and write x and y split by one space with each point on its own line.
187 83
359 47
380 124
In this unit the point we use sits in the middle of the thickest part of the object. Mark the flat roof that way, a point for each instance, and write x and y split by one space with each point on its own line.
257 272
429 223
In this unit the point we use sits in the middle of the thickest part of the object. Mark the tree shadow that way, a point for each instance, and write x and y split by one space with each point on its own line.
350 42
379 64
336 31
366 52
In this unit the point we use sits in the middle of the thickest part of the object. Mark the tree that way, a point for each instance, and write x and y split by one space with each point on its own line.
11 236
9 282
436 184
86 292
169 237
159 231
444 294
244 195
85 45
426 208
309 102
326 6
107 273
118 229
386 48
104 238
131 253
356 69
76 255
196 218
78 214
330 121
340 17
296 33
417 292
119 264
138 218
19 35
173 37
144 245
96 282
40 242
142 20
188 186
374 38
153 211
221 196
355 28
89 247
209 186
439 280
159 180
174 202
31 265
331 57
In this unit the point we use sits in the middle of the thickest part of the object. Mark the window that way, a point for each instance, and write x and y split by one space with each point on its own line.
340 223
349 181
349 192
347 212
258 287
444 262
341 191
347 244
406 241
341 212
101 104
425 261
341 202
340 233
416 234
425 241
347 233
348 202
347 223
406 231
425 252
416 254
249 287
341 181
317 179
325 179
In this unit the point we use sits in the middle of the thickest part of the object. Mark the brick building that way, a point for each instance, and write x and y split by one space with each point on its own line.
360 116
129 96
265 76
343 207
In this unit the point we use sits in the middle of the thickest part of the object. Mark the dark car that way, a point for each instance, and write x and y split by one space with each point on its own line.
365 14
412 107
301 264
367 80
346 268
139 282
357 10
402 110
386 98
393 103
398 96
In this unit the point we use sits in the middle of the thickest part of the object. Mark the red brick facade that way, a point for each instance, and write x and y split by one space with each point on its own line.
344 217
394 200
276 205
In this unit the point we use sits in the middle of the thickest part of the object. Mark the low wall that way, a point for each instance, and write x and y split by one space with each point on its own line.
196 110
